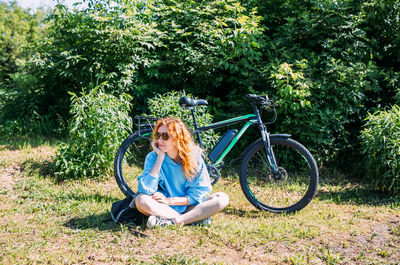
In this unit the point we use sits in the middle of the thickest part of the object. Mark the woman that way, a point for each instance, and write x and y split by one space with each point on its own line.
175 184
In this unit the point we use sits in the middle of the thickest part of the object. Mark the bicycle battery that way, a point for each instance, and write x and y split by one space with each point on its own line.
222 144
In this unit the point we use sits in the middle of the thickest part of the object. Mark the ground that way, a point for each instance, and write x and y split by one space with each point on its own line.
50 222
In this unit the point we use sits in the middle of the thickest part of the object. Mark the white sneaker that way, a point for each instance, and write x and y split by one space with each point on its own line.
204 222
159 221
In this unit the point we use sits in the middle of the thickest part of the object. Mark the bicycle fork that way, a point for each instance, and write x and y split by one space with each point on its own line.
268 149
267 144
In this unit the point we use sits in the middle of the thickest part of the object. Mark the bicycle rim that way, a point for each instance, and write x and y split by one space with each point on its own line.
291 190
130 159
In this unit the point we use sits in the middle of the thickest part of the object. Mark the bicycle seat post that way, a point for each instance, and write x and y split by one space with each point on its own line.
196 126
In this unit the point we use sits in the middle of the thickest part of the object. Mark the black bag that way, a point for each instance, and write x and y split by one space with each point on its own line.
123 212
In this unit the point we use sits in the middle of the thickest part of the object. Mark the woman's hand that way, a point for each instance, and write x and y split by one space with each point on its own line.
155 171
159 197
156 149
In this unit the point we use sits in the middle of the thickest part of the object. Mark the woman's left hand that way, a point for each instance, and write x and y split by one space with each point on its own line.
159 197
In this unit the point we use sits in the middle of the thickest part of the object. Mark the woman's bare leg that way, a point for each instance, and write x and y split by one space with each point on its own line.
212 205
148 206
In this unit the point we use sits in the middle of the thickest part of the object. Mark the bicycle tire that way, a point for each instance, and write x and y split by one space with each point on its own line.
293 191
129 160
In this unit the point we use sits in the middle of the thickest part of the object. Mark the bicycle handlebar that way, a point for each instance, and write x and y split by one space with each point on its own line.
264 101
265 104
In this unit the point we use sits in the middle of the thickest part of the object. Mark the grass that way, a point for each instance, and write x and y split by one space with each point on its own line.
48 222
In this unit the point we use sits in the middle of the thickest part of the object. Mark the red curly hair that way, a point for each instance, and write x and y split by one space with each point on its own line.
188 151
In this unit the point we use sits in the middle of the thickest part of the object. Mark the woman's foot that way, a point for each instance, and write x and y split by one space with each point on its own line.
159 221
204 222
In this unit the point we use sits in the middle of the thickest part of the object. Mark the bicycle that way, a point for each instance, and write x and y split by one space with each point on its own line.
277 173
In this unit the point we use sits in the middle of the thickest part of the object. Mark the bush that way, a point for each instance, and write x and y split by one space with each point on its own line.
167 105
381 148
99 124
19 112
155 47
20 30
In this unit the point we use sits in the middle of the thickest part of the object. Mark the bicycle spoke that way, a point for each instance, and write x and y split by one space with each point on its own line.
130 162
134 161
278 191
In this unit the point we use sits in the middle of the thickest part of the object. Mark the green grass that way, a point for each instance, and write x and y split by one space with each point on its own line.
47 222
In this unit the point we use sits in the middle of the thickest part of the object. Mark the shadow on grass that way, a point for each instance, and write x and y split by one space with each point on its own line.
103 222
43 168
232 210
358 195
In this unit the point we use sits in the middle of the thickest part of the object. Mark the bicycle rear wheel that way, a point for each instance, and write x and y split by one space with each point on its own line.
292 189
129 160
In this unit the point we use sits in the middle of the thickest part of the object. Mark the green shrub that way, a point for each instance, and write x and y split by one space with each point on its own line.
99 124
292 89
167 105
20 29
19 112
381 148
155 47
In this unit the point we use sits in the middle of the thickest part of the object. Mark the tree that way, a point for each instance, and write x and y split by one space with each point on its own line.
144 48
20 29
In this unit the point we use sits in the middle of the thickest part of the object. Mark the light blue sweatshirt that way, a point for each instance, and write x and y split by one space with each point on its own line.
171 181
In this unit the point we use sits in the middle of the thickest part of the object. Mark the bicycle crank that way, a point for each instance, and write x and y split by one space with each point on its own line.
214 173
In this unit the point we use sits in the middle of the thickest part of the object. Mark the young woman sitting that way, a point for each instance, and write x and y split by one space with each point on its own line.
175 185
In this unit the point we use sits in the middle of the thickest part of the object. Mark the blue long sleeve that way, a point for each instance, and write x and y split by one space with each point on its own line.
171 181
147 183
200 187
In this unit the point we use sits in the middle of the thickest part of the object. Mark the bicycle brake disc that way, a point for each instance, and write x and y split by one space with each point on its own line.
282 175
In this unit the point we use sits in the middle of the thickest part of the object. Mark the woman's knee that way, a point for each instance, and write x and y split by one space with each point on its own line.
222 199
142 201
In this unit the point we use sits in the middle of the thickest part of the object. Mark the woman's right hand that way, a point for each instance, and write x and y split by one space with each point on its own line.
160 153
155 171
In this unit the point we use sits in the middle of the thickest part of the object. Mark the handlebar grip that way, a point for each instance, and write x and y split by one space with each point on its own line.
251 95
256 99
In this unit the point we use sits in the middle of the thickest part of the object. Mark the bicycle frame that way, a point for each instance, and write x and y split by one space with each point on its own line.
250 119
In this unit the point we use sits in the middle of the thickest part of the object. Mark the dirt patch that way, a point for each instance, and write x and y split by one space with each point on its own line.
8 177
10 156
12 165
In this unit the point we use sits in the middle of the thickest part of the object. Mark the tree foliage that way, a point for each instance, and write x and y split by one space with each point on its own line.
19 30
346 66
328 63
145 48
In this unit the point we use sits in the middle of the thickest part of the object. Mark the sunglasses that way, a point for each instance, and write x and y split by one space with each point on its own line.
163 135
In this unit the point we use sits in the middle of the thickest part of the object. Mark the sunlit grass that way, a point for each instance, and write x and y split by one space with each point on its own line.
44 221
131 172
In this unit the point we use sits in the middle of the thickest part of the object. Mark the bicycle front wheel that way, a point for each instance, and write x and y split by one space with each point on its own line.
129 160
288 191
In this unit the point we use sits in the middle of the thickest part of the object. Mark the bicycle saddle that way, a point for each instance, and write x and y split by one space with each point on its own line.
187 102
